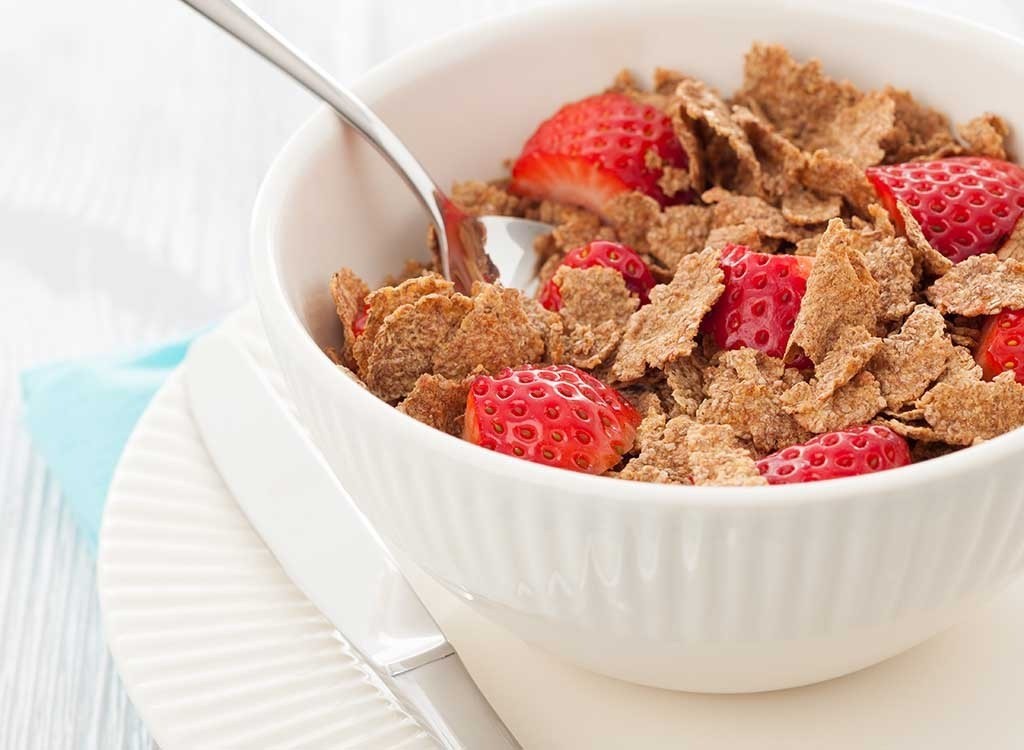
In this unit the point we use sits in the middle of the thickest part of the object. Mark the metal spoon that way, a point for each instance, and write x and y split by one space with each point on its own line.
485 249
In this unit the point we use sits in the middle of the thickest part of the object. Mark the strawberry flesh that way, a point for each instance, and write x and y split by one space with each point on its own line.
558 415
760 303
594 149
622 258
1001 346
845 453
965 205
359 321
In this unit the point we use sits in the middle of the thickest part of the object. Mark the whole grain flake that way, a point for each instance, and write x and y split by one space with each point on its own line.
438 402
349 293
666 329
841 293
927 257
717 458
966 413
678 231
912 358
745 390
596 305
404 346
663 460
386 300
985 135
979 285
494 333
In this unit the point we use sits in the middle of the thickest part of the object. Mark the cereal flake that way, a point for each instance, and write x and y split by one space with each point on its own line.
841 293
664 459
728 152
927 257
438 402
912 358
966 413
979 285
1013 247
349 293
685 380
596 305
479 198
803 207
403 347
919 132
666 329
985 135
744 389
386 300
632 215
678 231
731 210
717 458
495 333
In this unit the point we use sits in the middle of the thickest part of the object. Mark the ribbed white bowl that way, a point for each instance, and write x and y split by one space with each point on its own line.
710 589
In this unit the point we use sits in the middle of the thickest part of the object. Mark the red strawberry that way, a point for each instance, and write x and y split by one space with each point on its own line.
359 321
844 453
557 415
1001 346
615 255
965 204
761 300
594 149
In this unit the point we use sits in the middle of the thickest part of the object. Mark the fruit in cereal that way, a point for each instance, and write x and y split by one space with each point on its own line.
594 149
845 453
614 255
1001 346
558 415
965 205
359 322
761 300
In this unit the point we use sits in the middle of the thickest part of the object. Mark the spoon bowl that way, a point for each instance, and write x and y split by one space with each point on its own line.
468 249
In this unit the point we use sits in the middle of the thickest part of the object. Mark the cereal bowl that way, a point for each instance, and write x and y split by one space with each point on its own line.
711 589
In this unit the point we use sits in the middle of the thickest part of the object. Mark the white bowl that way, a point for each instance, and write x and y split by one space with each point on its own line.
705 589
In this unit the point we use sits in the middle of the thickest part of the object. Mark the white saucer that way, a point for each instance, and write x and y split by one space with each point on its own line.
218 649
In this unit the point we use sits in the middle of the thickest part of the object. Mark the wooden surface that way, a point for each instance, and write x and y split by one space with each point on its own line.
134 137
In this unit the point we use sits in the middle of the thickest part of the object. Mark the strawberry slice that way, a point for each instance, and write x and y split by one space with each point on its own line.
1001 347
761 300
965 204
844 453
622 258
359 321
557 415
594 149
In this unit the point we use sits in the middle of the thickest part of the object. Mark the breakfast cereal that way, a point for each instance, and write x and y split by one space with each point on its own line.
731 286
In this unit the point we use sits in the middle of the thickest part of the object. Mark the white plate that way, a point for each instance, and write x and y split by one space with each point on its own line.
219 649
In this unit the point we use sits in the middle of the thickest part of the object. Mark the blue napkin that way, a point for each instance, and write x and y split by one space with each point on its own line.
81 413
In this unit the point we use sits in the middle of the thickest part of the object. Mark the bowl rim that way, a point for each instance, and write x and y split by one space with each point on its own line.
467 41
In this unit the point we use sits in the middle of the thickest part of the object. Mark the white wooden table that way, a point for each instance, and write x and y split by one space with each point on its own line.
133 138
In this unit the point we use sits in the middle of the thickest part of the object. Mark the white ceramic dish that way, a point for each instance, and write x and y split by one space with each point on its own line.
707 589
217 649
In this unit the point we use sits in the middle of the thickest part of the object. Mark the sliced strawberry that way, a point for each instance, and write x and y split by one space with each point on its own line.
594 149
1001 347
615 255
359 321
761 300
965 204
844 453
557 415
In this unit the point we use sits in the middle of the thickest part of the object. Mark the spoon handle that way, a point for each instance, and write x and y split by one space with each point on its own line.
271 46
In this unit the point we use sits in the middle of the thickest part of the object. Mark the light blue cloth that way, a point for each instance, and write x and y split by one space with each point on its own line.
81 413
